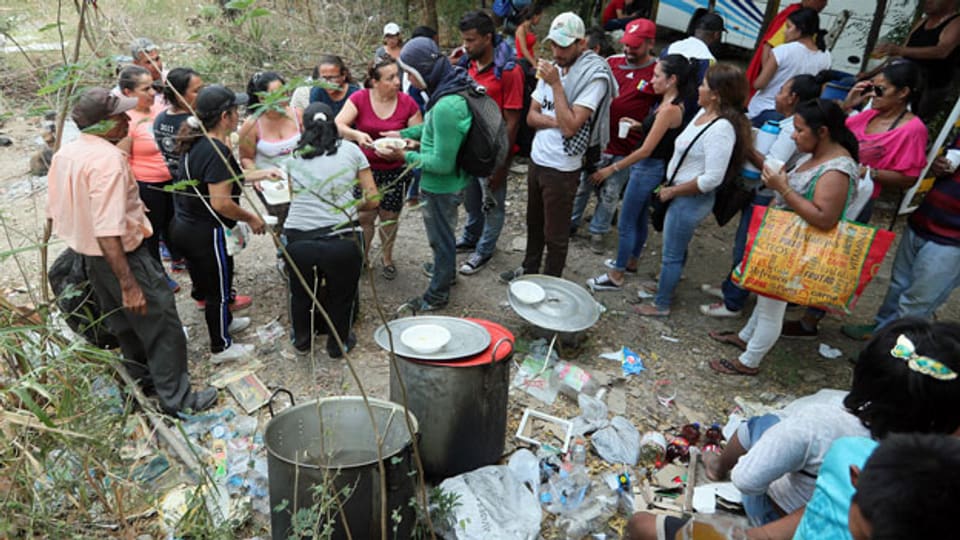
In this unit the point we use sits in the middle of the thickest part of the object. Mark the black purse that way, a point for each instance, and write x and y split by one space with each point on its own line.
658 208
732 198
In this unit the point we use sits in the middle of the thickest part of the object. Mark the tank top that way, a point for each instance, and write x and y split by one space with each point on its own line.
275 153
664 148
938 72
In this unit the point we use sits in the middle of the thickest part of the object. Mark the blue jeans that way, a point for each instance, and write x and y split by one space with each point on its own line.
733 296
608 198
483 229
760 509
440 221
645 176
924 275
683 216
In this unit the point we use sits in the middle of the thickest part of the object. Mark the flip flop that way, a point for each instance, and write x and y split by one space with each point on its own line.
732 367
389 271
728 338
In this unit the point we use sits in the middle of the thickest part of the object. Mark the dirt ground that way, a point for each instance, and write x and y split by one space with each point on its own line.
676 348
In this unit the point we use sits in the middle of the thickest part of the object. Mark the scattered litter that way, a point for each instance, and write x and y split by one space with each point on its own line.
492 504
631 362
705 499
593 415
270 332
732 424
618 442
653 446
669 338
525 468
644 295
829 352
548 430
670 477
591 515
572 380
665 391
250 392
535 376
616 356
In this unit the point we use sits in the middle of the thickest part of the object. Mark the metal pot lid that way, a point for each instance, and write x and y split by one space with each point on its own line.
466 338
567 307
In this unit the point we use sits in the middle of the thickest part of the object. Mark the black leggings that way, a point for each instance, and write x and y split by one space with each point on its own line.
331 266
160 206
211 271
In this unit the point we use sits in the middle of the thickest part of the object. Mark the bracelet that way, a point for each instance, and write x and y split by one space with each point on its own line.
786 192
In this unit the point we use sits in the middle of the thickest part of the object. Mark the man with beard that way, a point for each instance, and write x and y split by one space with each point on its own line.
570 110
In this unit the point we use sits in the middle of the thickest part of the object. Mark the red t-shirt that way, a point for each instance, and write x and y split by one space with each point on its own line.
610 12
507 91
368 122
634 100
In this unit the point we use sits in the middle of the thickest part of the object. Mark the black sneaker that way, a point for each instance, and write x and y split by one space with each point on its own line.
473 264
465 247
334 350
419 305
202 400
510 275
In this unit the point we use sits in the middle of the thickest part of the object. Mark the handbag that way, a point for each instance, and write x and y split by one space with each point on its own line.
658 208
731 199
788 259
236 237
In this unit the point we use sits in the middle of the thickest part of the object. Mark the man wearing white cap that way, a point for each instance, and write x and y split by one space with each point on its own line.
570 109
94 206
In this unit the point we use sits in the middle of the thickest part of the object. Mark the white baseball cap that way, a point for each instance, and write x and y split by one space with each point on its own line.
565 29
391 29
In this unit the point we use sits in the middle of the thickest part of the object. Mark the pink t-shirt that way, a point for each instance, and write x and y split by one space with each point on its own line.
901 149
146 161
368 122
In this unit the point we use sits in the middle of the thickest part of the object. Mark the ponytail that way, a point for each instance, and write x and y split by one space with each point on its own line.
731 86
320 136
685 71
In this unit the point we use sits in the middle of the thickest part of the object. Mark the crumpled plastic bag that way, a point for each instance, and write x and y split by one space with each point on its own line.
493 504
525 468
593 415
618 442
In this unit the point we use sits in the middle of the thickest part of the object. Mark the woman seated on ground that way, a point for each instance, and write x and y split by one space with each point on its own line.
902 383
711 146
893 148
817 189
207 212
674 78
365 117
322 234
802 54
269 134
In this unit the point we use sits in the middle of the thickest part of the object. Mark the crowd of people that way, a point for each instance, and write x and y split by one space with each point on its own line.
156 174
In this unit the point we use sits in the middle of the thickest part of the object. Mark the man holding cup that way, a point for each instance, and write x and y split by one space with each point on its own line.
633 71
927 266
570 110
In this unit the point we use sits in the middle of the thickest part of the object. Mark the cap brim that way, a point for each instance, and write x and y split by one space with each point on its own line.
241 98
561 41
124 104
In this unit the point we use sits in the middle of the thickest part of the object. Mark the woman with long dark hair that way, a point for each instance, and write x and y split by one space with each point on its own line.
674 79
322 233
207 211
709 149
818 190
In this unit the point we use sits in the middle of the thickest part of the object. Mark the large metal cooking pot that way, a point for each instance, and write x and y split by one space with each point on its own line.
325 447
461 405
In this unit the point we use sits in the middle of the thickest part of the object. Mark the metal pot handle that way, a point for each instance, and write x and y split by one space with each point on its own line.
496 347
274 395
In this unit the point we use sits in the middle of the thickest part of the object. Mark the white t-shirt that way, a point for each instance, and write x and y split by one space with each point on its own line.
547 148
706 162
691 47
793 59
330 177
785 460
783 148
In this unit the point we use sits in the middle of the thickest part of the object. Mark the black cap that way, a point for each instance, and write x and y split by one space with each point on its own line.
710 21
214 99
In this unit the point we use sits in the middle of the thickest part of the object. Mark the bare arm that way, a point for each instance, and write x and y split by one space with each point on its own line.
133 299
248 143
569 117
781 529
538 120
891 178
949 40
222 201
524 50
369 189
346 118
829 198
415 120
671 116
767 72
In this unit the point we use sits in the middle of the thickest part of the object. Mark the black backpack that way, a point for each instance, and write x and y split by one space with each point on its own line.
485 148
68 279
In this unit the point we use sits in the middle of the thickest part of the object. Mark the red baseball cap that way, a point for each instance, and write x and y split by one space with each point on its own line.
638 30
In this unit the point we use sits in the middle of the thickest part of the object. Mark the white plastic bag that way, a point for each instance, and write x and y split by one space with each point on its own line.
619 442
493 504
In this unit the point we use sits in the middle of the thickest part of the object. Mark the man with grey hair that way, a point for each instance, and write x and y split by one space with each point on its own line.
146 55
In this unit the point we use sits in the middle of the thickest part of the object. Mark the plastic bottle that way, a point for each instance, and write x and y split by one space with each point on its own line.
766 136
712 439
679 446
578 453
573 380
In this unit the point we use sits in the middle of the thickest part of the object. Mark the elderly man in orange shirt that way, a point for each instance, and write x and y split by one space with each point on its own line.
95 208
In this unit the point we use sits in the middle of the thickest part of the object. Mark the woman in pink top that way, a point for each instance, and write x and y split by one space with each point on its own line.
893 140
146 161
364 117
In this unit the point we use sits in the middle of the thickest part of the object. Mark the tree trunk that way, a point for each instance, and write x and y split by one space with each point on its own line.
874 33
430 14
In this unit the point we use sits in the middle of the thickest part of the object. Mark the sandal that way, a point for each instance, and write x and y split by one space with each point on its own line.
728 338
650 310
389 271
732 367
612 264
603 283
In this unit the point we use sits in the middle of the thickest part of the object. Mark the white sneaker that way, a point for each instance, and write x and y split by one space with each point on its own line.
235 351
712 290
238 324
717 310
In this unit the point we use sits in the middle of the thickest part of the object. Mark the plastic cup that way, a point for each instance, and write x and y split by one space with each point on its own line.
624 129
773 164
953 157
270 220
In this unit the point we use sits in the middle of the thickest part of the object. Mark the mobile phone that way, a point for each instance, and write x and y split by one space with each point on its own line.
868 89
